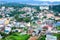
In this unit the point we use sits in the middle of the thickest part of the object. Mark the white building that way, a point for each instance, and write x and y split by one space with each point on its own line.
7 30
3 8
51 37
44 7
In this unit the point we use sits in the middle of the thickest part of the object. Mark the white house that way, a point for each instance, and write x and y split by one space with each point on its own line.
44 7
7 30
51 37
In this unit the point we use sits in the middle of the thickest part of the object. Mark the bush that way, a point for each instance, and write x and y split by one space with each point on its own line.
58 28
42 37
27 19
17 36
1 16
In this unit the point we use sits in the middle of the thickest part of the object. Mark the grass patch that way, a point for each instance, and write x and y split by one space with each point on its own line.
17 36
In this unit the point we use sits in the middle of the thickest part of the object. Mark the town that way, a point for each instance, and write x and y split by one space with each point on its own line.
28 23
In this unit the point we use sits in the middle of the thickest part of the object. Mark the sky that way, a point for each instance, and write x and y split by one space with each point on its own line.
33 1
28 0
47 0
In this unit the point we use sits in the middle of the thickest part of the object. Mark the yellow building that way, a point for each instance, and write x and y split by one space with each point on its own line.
7 21
4 21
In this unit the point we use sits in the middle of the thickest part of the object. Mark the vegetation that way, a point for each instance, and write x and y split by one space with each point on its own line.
58 28
1 16
26 19
3 34
55 8
13 28
58 20
13 13
16 36
45 17
42 37
17 18
57 35
21 12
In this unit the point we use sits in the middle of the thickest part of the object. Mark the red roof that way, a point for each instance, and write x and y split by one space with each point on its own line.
47 26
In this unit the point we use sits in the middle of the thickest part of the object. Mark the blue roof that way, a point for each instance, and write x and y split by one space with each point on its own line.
57 24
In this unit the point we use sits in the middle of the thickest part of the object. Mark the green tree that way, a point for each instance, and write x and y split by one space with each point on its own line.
21 12
42 37
58 28
1 16
57 35
17 18
45 17
27 19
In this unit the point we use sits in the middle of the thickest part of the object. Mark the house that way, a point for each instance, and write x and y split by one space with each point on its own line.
50 15
32 18
57 24
2 28
22 26
28 24
39 22
49 22
10 9
27 9
16 24
47 27
9 25
2 24
44 7
50 37
17 30
57 18
7 30
7 21
3 8
37 31
30 30
2 20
